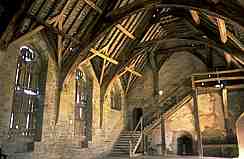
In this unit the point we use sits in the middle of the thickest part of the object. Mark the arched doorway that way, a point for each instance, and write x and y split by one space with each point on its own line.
184 145
137 114
240 135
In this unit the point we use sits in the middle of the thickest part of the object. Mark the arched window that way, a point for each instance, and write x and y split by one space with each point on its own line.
116 98
83 108
27 96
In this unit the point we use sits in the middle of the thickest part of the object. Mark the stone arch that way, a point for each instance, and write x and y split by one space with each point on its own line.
177 135
9 67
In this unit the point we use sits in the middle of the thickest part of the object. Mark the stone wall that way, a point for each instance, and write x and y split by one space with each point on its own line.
7 76
212 125
140 95
175 129
177 69
58 140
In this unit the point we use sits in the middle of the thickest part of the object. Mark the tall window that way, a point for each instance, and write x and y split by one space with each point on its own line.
26 99
116 98
83 108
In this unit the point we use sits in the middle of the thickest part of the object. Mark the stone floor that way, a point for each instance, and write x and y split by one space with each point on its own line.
168 157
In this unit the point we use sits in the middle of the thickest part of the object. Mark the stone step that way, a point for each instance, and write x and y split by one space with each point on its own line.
120 150
121 147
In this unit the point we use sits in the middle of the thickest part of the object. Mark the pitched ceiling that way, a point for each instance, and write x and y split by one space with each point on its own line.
119 37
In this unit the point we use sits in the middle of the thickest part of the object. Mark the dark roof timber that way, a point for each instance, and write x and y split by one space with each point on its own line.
224 9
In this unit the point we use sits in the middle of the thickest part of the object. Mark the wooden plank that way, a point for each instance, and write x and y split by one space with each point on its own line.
87 59
219 72
128 84
103 56
238 60
233 87
121 28
225 102
222 30
220 78
94 6
235 40
102 72
60 51
195 16
133 71
197 123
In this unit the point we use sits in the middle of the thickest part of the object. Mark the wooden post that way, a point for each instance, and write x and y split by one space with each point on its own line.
163 146
225 110
197 123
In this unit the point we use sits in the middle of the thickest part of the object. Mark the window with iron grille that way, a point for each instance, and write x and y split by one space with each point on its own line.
27 96
83 108
116 97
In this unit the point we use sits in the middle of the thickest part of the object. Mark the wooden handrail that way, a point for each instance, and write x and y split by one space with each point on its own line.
138 124
132 148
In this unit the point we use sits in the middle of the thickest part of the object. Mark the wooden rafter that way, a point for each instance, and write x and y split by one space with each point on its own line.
104 54
226 33
195 16
134 64
128 84
222 30
59 19
94 6
132 71
102 72
127 33
105 57
236 11
235 40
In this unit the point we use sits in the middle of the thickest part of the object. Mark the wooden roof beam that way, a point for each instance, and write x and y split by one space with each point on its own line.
132 71
195 16
222 30
94 6
223 9
98 53
127 33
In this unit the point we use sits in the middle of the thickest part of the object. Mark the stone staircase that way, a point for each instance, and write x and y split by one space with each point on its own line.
121 146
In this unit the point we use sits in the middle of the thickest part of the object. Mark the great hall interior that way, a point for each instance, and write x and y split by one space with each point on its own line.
93 79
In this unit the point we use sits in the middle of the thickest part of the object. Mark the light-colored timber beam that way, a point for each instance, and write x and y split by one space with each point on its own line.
128 84
133 71
98 53
94 6
102 72
60 51
195 16
222 30
127 33
58 20
229 58
226 33
235 40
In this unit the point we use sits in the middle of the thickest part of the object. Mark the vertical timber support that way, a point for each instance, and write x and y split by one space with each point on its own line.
163 146
197 123
225 110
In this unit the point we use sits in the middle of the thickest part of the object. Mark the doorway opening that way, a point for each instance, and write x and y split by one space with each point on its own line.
184 145
137 114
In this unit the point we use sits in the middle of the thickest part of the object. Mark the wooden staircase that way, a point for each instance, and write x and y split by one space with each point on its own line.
121 147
